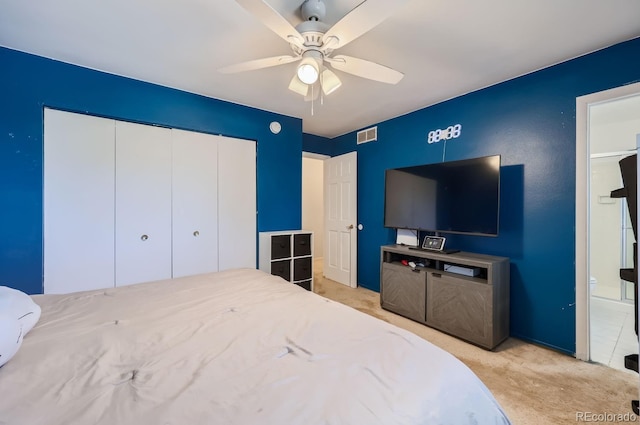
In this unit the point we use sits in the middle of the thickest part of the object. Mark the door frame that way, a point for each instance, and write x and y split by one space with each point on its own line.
583 103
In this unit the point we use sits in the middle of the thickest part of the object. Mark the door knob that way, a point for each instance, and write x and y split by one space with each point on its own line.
196 233
144 237
350 227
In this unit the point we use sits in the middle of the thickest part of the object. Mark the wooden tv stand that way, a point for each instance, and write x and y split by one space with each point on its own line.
472 307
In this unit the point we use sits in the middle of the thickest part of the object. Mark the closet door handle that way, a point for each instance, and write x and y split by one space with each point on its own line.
196 233
144 237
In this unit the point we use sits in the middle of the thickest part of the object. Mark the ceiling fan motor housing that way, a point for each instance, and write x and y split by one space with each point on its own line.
312 31
313 10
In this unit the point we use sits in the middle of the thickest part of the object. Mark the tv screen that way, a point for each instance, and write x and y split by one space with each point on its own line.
454 196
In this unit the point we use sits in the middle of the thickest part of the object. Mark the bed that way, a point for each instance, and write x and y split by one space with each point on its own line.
234 347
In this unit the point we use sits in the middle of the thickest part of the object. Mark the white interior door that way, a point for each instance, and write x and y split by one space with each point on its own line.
340 200
78 202
143 203
237 237
195 203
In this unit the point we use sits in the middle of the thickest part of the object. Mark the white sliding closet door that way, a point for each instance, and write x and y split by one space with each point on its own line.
195 203
236 203
127 203
78 202
143 203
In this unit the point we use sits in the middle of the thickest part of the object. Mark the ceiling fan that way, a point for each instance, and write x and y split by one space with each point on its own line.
313 43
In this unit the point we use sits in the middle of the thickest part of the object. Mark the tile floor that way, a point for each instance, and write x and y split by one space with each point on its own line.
612 332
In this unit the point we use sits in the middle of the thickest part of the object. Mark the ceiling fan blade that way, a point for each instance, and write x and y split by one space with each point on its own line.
298 86
366 69
273 20
359 20
259 64
329 81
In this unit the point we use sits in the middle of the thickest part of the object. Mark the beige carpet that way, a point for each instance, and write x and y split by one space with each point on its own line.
534 385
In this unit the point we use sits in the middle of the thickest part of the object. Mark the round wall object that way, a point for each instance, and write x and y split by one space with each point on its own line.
275 127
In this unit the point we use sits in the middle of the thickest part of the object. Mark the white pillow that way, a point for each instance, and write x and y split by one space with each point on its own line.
10 337
18 315
19 305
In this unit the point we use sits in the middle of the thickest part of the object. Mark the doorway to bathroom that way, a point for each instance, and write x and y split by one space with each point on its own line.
611 234
612 130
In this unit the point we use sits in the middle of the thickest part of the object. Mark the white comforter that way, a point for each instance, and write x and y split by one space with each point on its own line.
236 347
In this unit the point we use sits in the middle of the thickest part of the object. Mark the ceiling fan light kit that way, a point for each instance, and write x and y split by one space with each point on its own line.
308 73
298 86
313 43
329 82
309 68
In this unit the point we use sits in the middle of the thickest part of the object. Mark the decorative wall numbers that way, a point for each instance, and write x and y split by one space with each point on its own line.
450 132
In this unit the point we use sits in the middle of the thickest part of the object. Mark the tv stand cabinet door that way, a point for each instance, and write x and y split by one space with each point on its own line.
403 291
461 307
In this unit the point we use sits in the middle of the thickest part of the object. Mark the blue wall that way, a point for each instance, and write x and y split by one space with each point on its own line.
316 144
29 83
530 122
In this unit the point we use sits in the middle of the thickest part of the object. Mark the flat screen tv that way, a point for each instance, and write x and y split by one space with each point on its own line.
451 197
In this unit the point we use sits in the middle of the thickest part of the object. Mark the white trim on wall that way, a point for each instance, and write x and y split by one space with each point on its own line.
314 155
583 103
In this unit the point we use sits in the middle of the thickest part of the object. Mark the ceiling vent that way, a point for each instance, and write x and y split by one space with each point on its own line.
368 135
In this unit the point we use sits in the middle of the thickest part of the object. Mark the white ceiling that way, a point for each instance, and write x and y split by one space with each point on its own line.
445 48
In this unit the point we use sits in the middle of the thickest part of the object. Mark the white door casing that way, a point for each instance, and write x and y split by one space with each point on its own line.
195 203
143 203
78 196
340 200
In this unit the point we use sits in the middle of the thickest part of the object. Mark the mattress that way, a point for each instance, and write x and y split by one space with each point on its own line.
234 347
